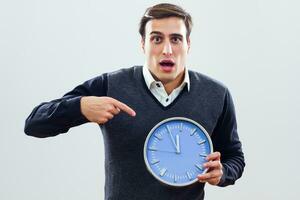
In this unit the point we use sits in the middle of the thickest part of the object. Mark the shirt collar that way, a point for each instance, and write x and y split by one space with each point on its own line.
150 80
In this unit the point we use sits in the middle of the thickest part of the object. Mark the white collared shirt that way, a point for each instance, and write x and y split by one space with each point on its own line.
158 90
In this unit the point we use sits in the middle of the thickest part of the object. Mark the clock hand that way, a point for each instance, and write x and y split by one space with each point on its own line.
161 150
171 137
165 151
177 144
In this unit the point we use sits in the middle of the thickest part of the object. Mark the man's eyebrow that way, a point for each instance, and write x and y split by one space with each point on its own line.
176 35
172 34
156 32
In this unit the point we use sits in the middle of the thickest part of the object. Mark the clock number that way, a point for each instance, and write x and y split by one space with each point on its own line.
193 132
189 175
158 136
202 155
199 167
201 142
152 149
163 171
155 161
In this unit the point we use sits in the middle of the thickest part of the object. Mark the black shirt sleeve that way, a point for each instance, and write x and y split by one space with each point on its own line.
59 115
226 140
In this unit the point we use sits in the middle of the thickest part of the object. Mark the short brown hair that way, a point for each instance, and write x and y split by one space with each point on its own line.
165 10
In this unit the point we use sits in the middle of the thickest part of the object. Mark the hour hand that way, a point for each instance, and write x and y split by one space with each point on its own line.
162 150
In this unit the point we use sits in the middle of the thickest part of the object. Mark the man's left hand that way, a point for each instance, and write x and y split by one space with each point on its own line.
215 169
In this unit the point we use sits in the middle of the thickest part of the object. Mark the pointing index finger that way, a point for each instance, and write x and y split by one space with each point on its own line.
123 107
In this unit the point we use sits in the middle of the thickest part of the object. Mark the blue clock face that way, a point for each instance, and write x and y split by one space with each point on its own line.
175 151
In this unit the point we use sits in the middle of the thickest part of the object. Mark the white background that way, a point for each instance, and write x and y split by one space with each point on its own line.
49 47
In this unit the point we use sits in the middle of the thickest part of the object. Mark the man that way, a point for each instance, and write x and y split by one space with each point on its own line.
129 102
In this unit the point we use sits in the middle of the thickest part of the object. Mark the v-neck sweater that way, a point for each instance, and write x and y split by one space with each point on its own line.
208 102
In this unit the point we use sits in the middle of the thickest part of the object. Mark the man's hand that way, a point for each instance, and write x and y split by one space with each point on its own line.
215 172
102 109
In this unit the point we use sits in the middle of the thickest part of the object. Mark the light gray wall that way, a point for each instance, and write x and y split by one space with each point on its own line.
49 47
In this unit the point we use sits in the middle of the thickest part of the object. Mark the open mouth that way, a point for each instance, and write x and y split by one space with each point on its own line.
167 63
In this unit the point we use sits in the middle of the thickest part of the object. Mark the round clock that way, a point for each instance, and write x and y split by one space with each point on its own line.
175 150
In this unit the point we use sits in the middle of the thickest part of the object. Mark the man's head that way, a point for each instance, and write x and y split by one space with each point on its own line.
165 30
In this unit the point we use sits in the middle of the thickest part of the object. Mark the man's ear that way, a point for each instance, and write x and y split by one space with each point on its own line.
143 44
189 43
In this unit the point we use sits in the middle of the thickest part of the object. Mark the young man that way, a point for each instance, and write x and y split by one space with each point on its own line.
146 95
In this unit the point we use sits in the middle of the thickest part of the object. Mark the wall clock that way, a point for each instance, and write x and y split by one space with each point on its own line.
175 150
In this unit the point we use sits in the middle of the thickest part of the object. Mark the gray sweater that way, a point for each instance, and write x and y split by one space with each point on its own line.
126 177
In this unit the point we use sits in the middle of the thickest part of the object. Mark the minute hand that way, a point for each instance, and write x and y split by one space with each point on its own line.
172 138
177 144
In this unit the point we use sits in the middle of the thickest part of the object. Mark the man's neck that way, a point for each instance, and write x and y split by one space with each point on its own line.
170 86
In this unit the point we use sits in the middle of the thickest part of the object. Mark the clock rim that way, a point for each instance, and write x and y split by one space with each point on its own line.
148 137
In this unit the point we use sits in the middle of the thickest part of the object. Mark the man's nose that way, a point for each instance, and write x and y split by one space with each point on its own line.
167 51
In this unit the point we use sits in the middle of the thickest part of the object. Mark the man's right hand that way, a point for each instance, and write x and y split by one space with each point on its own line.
102 109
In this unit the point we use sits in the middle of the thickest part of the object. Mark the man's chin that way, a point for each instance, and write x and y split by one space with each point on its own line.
166 78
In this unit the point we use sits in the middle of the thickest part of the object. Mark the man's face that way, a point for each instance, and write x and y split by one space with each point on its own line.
166 47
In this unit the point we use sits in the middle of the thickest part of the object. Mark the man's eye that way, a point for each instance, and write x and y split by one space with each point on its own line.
157 39
176 40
